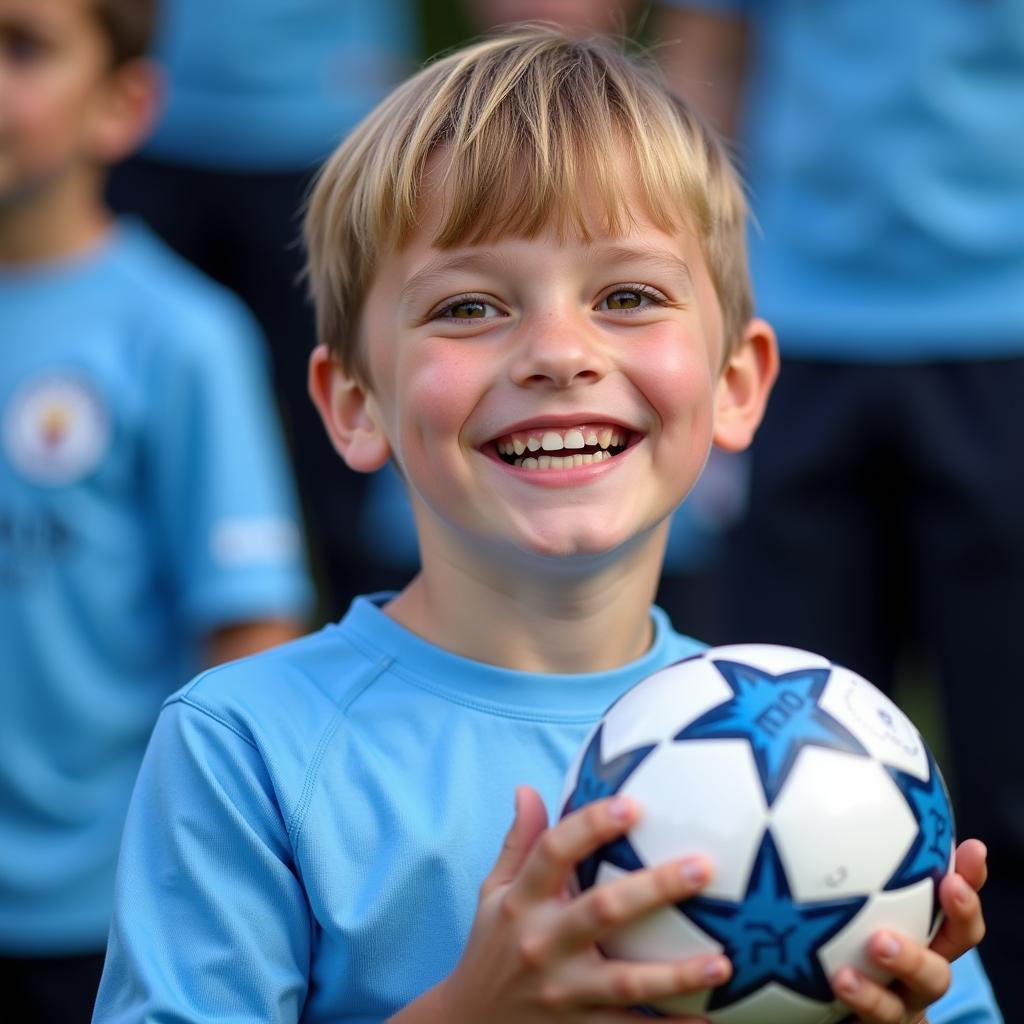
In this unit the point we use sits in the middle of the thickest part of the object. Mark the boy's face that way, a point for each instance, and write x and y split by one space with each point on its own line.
53 79
558 399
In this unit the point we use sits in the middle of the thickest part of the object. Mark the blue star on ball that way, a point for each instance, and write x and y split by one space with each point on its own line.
778 715
596 780
930 852
768 936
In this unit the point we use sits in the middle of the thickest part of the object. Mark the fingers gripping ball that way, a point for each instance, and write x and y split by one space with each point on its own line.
813 795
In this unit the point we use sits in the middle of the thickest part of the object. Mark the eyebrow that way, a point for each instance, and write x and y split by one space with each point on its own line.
649 255
427 276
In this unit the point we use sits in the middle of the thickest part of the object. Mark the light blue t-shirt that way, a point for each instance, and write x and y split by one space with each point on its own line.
883 144
311 826
144 501
274 85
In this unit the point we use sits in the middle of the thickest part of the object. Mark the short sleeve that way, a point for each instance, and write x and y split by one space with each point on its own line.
969 999
210 919
223 495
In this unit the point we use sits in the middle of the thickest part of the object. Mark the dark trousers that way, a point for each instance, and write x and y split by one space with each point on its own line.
244 230
887 510
50 990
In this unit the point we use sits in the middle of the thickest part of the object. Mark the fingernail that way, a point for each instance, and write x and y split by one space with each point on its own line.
694 870
887 947
619 808
715 970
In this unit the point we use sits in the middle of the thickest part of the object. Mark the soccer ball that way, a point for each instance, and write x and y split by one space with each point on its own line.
815 798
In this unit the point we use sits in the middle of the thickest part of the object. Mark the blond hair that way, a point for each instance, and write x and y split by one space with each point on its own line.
521 118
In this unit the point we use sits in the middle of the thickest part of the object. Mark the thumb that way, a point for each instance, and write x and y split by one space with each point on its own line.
531 819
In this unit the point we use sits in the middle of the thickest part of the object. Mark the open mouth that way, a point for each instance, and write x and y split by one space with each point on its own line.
558 448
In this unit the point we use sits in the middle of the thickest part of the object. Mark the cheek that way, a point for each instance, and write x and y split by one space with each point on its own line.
675 376
46 121
440 392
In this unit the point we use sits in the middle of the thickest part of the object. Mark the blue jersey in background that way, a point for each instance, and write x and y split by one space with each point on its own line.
273 85
144 502
883 145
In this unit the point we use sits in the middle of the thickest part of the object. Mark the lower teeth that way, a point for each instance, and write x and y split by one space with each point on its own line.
561 462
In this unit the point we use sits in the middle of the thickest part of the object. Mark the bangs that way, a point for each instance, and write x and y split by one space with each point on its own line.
531 131
522 168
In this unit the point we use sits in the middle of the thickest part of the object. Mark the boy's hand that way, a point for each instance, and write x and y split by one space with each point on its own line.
532 954
922 975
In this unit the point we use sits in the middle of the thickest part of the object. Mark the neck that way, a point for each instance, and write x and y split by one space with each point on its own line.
53 222
560 619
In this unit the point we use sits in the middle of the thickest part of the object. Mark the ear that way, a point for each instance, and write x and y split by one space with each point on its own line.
126 112
744 386
349 412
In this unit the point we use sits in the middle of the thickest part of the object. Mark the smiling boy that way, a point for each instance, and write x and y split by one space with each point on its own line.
531 290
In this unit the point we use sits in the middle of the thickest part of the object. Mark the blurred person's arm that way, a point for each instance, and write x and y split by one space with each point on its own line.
222 505
244 638
703 54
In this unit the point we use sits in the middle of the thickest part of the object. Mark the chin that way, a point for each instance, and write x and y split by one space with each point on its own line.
575 547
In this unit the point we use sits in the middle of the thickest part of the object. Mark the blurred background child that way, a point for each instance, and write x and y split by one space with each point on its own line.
147 522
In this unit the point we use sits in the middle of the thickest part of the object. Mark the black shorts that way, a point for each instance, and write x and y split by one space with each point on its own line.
49 990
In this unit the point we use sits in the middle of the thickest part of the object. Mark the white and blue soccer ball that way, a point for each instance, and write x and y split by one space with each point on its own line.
815 798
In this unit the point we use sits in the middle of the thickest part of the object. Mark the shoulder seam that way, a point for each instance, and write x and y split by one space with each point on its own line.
184 699
298 817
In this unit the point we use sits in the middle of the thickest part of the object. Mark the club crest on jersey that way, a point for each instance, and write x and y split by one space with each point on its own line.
55 429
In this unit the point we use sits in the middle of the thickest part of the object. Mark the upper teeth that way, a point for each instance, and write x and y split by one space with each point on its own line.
557 440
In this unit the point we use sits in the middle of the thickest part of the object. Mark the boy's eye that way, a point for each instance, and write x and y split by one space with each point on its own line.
633 297
624 300
466 309
21 48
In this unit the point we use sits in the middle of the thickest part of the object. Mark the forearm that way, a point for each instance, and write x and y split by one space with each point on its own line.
242 639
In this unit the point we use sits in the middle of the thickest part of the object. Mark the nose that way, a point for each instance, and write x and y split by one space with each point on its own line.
559 350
